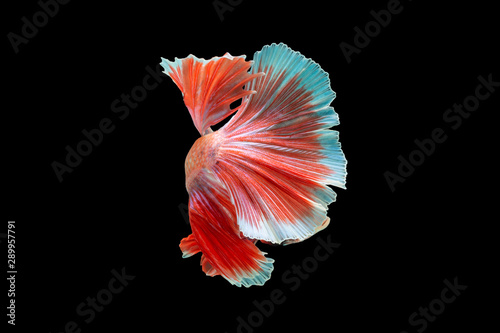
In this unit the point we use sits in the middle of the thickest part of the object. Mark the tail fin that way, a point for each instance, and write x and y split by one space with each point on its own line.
279 155
210 86
216 235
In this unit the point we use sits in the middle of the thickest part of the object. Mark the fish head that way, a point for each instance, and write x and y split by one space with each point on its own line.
202 156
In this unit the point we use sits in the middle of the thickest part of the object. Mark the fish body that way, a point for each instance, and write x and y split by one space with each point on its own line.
264 175
202 156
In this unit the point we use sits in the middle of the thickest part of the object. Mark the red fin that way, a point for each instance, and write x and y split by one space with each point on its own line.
189 246
207 267
210 86
213 222
278 154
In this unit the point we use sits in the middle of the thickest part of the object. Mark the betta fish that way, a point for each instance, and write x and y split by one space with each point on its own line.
264 175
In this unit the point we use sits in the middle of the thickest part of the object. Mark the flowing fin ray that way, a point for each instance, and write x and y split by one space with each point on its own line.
279 156
225 253
210 86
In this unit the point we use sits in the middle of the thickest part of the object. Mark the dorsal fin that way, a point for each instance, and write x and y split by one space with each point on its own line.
210 86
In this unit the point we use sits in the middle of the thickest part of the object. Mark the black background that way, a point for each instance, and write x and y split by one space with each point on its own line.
120 206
